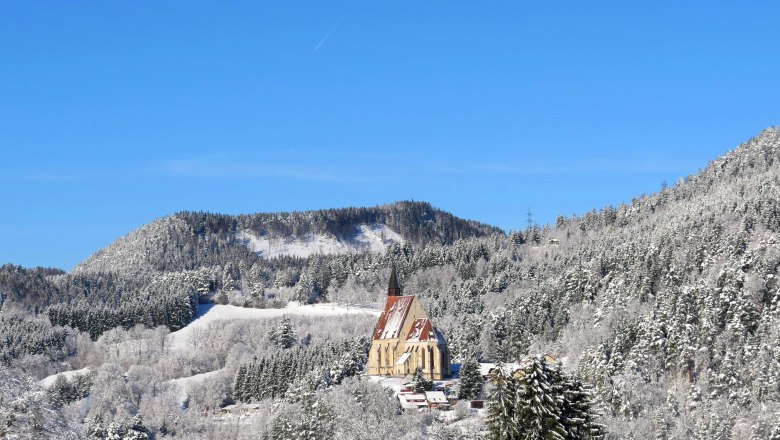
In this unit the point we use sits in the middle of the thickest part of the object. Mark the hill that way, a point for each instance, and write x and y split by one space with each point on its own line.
667 306
188 240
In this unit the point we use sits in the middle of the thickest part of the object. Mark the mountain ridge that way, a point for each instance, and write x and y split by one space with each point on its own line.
414 222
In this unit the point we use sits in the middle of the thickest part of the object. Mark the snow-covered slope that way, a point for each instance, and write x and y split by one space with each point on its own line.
48 381
368 238
209 313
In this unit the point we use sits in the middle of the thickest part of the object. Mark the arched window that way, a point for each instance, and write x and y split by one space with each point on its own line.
379 356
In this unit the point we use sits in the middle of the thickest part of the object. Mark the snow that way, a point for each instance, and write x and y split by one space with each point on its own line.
184 383
393 383
412 401
403 358
196 379
390 326
485 367
47 382
435 397
417 329
208 313
422 330
368 238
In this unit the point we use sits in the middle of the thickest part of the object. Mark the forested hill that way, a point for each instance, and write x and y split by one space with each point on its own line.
668 306
189 240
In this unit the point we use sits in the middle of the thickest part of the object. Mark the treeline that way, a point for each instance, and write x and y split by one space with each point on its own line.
174 312
27 289
417 222
540 401
20 336
298 371
189 240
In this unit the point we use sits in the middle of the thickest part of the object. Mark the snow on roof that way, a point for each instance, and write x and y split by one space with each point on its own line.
412 401
435 397
486 368
392 318
403 358
422 330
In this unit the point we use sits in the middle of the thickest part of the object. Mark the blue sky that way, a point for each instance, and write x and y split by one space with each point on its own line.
115 113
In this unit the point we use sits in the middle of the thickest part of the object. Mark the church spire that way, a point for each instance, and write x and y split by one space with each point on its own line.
393 288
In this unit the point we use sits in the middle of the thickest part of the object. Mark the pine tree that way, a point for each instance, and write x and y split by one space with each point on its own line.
579 416
501 420
284 334
240 384
421 384
540 402
471 381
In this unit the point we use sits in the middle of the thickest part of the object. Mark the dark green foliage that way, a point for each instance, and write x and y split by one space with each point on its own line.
306 368
539 401
130 430
174 311
65 391
284 334
471 381
421 384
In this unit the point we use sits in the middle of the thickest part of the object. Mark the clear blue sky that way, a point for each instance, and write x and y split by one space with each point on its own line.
114 113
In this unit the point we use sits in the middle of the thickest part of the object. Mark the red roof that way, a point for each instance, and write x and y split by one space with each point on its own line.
392 318
422 330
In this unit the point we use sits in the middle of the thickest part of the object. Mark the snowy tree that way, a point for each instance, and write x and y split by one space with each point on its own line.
471 381
502 420
284 334
26 412
539 401
421 384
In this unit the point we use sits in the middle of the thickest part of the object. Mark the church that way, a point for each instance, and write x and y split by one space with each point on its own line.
405 339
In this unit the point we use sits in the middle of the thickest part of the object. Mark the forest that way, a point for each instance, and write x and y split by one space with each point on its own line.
664 312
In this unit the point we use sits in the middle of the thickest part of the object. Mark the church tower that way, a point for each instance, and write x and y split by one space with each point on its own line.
405 339
393 288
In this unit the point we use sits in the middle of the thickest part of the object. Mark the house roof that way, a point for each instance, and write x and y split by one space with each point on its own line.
435 397
392 318
423 330
412 401
403 358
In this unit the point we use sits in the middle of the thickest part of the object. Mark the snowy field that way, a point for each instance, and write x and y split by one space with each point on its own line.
208 313
369 238
47 382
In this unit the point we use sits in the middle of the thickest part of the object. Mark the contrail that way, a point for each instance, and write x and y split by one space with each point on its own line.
325 38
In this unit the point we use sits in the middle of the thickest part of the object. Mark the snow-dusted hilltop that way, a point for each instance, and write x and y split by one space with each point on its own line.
188 240
366 238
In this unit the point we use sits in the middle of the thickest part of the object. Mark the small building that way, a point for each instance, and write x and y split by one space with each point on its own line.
516 369
437 400
413 401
